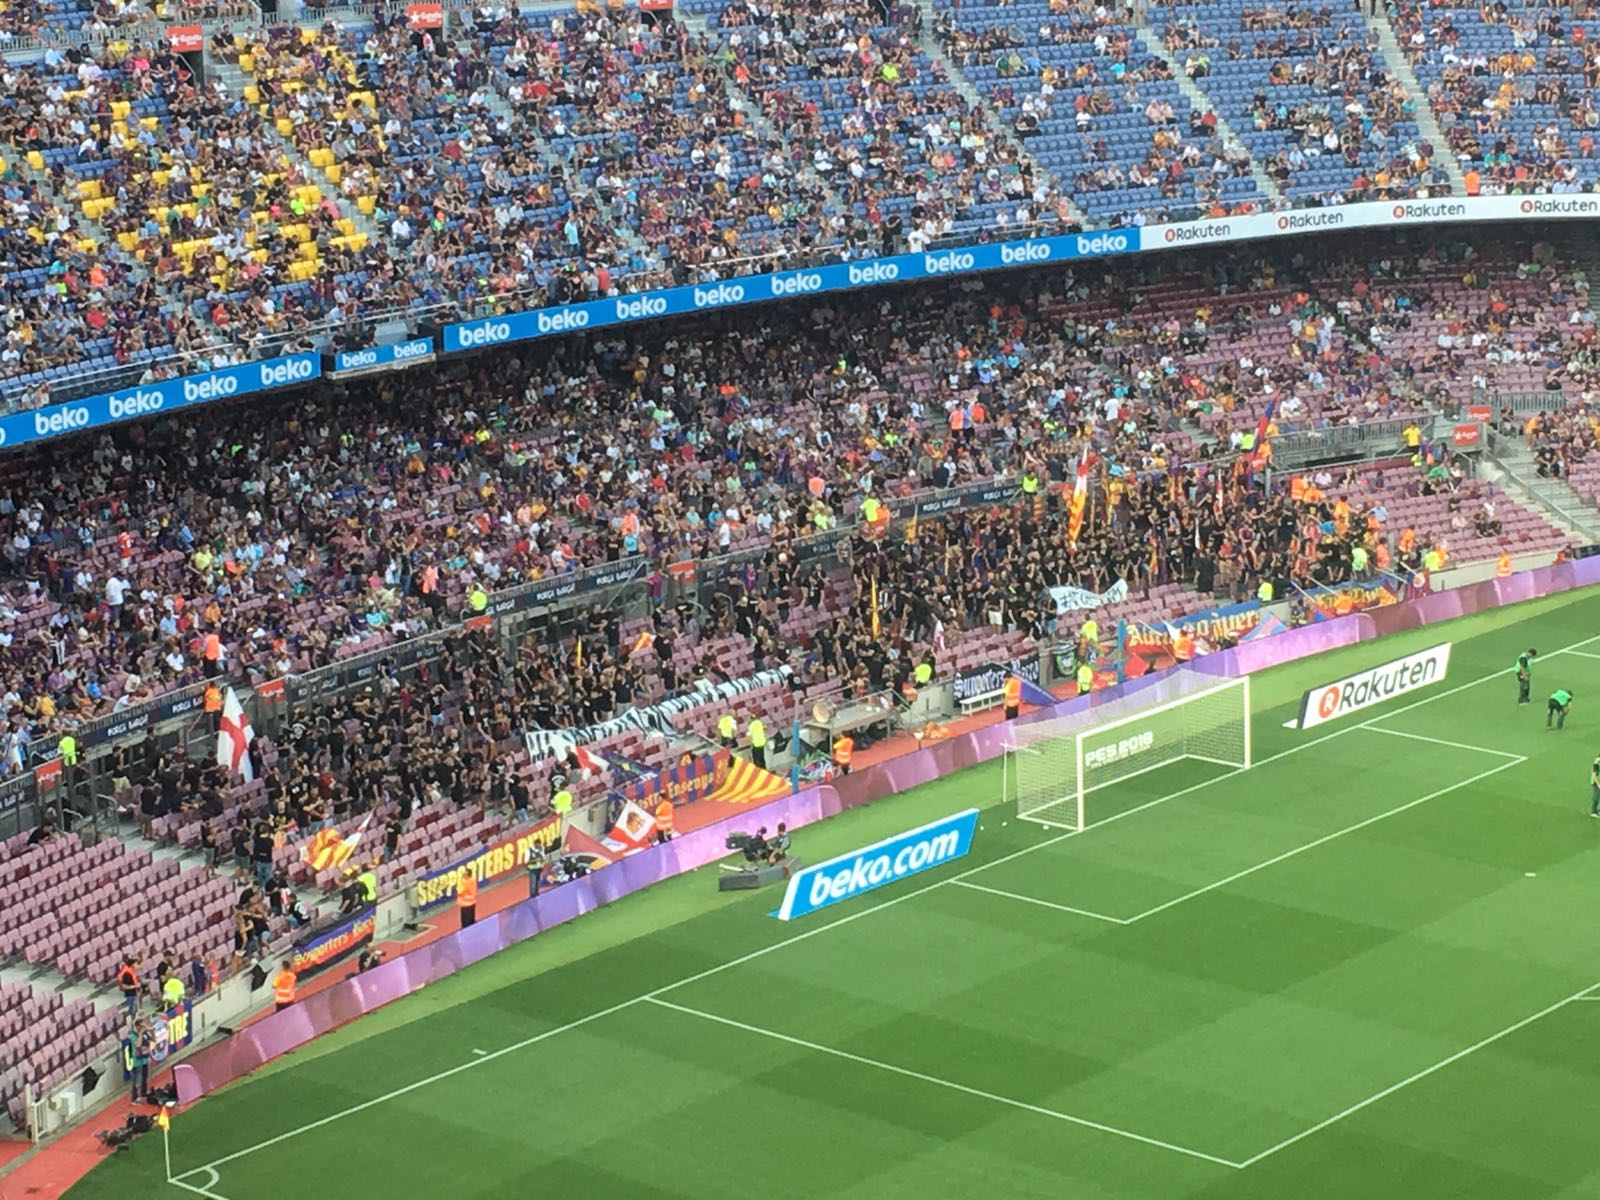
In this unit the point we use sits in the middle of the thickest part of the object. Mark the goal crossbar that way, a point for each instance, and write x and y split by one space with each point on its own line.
1057 764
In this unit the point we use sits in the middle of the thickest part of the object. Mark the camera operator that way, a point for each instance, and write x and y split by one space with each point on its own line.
778 847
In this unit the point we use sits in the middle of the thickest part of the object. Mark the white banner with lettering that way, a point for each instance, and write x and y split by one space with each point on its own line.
1071 599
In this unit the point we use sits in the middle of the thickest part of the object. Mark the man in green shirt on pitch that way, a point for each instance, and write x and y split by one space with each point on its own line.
1525 674
1556 710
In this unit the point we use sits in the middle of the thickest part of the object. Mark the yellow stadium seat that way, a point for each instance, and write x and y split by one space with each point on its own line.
309 192
308 250
150 123
345 226
284 126
261 256
252 93
88 189
307 36
366 205
366 99
36 160
247 62
128 241
120 110
304 269
334 172
160 178
88 245
321 156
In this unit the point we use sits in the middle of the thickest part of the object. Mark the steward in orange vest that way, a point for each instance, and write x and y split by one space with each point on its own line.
1013 696
664 819
283 984
467 897
844 748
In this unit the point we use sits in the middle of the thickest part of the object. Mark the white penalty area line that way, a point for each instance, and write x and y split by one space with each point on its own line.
951 1085
1579 653
1418 1076
211 1180
209 1169
1067 908
1422 737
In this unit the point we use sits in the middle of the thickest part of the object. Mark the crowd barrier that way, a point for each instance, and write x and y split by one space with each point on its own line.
243 1051
507 328
221 1062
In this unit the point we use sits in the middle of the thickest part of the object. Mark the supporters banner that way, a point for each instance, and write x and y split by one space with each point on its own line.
1071 599
186 39
163 396
321 945
989 681
171 1031
1340 599
1215 628
500 858
656 718
683 783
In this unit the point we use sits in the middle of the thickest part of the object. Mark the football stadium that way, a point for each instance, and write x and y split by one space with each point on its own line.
799 598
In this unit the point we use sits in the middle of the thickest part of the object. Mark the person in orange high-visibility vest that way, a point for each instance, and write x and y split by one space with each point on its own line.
844 748
1183 646
1502 566
1013 696
467 897
283 984
664 819
212 703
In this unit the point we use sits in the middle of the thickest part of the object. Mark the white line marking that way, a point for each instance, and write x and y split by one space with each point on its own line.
1082 912
1322 841
810 933
1422 737
1584 998
1579 653
1420 1075
204 1189
946 1083
476 1051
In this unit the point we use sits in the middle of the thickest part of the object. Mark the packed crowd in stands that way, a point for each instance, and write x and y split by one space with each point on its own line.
321 176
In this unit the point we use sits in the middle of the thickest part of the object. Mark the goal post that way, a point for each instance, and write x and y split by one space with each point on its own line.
1054 766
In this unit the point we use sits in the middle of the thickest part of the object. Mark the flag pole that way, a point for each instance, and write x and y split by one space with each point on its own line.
166 1146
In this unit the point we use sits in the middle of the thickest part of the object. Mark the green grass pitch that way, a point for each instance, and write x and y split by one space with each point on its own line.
1364 968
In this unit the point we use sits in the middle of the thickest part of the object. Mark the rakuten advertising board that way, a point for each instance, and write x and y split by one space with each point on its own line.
1386 682
878 865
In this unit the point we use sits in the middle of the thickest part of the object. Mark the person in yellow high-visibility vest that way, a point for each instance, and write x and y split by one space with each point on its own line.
844 749
1085 679
758 743
727 729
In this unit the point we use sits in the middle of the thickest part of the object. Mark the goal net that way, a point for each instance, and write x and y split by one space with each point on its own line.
1054 766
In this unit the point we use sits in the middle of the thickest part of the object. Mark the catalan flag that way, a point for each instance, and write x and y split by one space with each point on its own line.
328 849
1080 499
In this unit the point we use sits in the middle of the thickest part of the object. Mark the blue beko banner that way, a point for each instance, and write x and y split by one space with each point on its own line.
167 395
784 285
401 354
878 865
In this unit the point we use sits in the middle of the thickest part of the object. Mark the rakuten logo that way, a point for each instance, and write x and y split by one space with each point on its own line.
295 370
406 351
801 283
638 307
878 272
1028 252
1104 756
209 387
1207 231
62 420
1321 219
722 293
1428 210
135 404
1103 243
1372 687
943 264
560 321
1562 206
